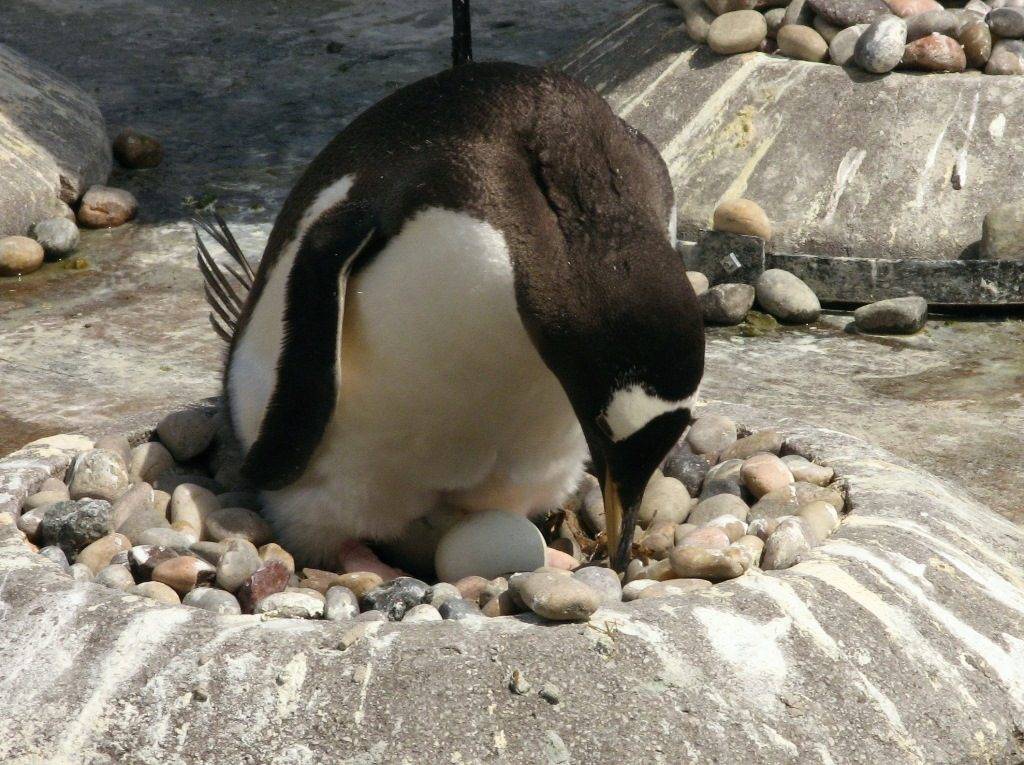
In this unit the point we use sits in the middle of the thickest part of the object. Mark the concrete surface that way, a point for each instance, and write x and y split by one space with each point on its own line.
899 640
53 142
843 162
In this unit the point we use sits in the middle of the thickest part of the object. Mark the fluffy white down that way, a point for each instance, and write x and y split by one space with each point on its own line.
444 401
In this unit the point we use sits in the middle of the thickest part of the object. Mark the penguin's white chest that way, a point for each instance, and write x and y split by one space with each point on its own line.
443 398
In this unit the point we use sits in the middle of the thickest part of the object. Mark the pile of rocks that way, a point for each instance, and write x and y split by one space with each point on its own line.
875 35
57 237
168 520
783 296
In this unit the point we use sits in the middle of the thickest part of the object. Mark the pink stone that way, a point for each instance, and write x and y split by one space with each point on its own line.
712 539
907 8
273 577
934 53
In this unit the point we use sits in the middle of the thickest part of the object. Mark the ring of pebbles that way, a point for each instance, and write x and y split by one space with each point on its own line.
877 36
171 520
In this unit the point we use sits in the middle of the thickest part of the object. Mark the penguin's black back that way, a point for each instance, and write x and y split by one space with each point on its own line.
481 138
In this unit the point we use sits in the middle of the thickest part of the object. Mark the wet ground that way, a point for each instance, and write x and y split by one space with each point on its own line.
244 94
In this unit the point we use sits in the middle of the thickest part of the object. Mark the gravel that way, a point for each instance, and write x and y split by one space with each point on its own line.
187 547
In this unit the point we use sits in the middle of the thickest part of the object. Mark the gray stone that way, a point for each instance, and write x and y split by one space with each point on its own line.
53 144
715 565
172 479
211 552
227 522
820 520
1007 58
239 561
162 537
710 434
737 32
825 29
460 608
723 478
727 303
157 591
424 612
786 297
1002 233
631 590
665 499
79 572
396 597
341 604
214 600
697 17
691 469
192 504
768 440
843 45
942 22
846 13
803 43
1007 22
134 512
43 498
55 555
115 576
57 236
789 499
785 545
773 18
808 472
880 48
717 506
291 605
149 461
555 597
896 316
187 433
603 581
798 12
30 521
72 525
441 592
98 474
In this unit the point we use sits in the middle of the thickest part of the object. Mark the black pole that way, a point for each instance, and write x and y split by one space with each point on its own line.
462 41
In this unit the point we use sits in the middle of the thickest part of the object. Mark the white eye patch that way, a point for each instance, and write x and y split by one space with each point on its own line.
631 408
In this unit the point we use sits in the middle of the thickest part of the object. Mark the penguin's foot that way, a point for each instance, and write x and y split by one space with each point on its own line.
559 559
354 557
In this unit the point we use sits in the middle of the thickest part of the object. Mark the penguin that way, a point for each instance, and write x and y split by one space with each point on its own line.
469 293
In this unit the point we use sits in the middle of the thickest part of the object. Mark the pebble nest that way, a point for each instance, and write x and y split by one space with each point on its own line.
171 520
876 36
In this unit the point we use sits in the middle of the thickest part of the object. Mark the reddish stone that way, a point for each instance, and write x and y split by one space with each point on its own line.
934 53
273 577
142 559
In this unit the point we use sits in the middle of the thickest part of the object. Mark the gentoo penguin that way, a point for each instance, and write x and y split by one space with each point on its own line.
471 289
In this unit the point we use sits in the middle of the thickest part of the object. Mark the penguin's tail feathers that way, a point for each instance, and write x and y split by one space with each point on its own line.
224 285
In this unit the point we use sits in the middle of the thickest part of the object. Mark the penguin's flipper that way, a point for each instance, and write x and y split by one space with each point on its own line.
220 294
309 368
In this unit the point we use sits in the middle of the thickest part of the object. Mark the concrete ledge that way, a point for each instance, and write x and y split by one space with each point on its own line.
900 640
847 165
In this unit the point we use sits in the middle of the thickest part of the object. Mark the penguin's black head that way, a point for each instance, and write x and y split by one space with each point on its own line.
605 295
629 352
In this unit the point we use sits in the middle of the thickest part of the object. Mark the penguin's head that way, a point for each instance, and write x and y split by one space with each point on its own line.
609 306
630 357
